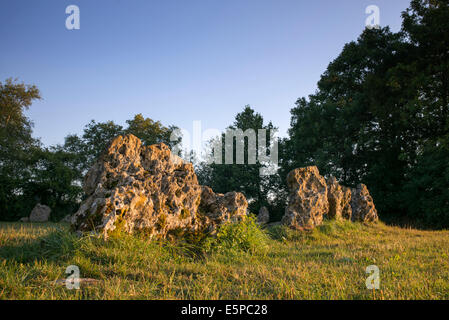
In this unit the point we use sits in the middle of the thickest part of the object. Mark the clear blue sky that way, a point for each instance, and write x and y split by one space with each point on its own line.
175 61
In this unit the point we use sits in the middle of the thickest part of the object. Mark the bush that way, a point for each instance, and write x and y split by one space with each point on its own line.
245 235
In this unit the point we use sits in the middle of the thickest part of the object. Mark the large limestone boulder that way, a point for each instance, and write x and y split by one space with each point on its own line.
339 198
307 199
264 216
362 204
133 188
40 213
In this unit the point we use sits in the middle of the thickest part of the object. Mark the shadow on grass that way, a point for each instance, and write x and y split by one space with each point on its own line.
59 245
282 233
409 223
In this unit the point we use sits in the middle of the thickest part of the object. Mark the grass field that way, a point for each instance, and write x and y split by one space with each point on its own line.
328 263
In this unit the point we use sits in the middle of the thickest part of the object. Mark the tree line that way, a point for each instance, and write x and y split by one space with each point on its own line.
379 116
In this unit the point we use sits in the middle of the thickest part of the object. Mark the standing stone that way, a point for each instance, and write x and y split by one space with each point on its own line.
339 198
346 203
136 188
40 213
264 216
307 199
362 204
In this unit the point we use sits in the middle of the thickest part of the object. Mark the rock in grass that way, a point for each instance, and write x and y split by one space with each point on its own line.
362 204
136 188
264 216
40 213
81 281
307 199
339 198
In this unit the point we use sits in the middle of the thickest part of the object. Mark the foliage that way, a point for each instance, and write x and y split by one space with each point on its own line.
16 146
149 131
426 192
244 235
97 135
259 190
54 181
380 117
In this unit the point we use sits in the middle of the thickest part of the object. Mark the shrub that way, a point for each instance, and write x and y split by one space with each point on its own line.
245 235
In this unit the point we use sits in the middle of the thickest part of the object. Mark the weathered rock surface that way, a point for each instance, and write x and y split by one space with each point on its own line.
220 208
307 199
362 204
40 213
146 188
264 216
339 198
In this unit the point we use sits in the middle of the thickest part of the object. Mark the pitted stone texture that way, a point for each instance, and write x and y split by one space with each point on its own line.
146 188
339 198
362 204
40 213
220 208
307 199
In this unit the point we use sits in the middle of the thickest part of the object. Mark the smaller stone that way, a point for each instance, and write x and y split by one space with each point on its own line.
362 204
40 213
347 209
264 216
307 199
84 281
24 219
339 198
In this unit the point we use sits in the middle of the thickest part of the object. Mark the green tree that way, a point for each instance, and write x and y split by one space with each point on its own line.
16 145
426 191
245 178
149 131
97 135
54 181
380 115
348 125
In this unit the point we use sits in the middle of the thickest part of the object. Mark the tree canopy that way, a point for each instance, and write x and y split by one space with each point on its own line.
380 116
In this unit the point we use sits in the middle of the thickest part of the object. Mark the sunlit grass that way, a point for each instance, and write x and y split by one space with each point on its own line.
328 263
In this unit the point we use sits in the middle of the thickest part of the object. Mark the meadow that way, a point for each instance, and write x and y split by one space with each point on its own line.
242 263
